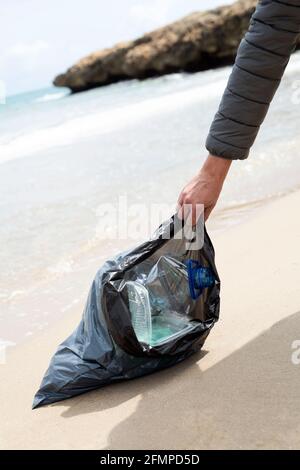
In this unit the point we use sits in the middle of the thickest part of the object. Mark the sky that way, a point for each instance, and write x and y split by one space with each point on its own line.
40 39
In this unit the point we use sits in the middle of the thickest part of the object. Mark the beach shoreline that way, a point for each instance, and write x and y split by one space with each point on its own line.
246 364
78 153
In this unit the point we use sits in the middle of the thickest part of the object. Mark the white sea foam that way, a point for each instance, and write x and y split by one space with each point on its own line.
61 267
16 293
70 305
96 123
99 123
50 97
293 65
4 345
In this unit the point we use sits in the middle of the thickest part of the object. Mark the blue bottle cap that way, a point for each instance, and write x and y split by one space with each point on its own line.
200 278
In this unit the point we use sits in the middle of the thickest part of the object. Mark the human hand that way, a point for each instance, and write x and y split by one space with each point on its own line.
204 188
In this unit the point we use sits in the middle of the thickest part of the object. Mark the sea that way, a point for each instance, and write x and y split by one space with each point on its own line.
70 162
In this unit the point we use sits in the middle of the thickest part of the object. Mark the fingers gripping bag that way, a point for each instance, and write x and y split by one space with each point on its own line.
147 309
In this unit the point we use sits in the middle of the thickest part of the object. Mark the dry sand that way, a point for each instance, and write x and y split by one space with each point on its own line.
242 391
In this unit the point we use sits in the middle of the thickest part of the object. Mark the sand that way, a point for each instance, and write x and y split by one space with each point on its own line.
242 391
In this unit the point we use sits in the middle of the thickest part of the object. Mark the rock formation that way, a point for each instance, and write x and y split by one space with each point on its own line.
196 42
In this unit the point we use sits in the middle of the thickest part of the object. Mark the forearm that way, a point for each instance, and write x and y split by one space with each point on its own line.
216 168
261 60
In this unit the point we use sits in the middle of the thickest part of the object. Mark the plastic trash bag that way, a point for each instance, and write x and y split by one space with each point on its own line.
147 309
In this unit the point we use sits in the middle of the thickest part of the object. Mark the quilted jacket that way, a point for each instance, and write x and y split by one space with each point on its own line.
260 63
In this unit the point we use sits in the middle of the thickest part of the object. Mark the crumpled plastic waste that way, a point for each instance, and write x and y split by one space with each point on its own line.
147 309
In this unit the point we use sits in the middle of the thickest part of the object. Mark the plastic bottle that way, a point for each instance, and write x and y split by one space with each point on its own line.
139 305
160 306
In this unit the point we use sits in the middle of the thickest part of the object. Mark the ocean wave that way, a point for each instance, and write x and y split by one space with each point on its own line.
100 123
50 97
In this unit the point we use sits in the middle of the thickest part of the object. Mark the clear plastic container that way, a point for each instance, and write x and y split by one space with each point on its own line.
139 305
161 302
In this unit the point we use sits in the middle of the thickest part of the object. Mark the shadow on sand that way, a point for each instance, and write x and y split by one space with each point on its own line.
251 399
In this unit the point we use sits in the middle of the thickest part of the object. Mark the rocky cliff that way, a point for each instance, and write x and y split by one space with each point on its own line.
196 42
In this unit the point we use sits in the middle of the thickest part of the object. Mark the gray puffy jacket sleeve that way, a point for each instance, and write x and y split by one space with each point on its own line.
260 63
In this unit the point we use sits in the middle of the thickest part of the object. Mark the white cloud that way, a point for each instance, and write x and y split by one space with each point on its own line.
155 11
23 61
27 50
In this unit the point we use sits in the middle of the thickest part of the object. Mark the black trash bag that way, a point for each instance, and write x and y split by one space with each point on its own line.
104 348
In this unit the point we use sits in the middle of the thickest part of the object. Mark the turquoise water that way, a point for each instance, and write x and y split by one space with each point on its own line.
62 156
